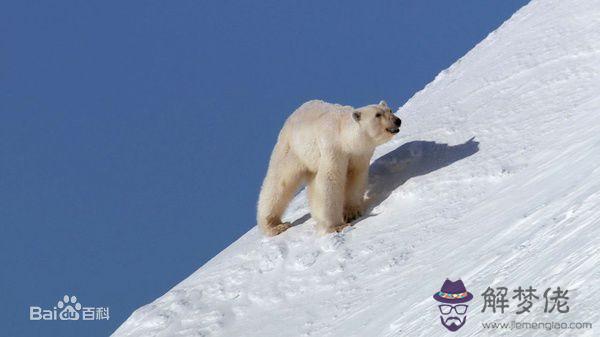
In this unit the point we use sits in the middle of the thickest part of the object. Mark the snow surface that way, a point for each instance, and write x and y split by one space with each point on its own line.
494 178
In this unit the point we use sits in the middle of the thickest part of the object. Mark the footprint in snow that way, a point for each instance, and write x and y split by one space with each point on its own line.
331 242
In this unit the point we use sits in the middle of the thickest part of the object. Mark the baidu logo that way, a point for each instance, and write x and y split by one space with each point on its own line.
68 309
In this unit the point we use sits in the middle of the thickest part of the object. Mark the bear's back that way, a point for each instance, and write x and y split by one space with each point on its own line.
317 114
313 124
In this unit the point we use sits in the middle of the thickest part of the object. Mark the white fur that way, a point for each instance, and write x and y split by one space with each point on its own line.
327 146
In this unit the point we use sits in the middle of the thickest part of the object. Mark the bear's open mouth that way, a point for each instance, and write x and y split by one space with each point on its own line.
393 130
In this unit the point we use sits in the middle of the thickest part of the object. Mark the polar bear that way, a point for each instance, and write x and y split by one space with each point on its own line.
328 147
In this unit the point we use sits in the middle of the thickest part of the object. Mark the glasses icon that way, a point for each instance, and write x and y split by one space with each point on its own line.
460 309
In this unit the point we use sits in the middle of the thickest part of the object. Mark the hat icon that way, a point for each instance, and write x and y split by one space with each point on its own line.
453 292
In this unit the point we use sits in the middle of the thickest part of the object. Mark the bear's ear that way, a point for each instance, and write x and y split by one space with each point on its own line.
356 115
383 103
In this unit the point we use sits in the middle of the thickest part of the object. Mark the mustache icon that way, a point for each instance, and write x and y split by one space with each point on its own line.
452 319
453 323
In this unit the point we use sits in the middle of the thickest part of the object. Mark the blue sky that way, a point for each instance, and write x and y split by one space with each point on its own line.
134 135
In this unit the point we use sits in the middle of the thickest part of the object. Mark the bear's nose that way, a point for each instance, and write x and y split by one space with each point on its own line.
397 121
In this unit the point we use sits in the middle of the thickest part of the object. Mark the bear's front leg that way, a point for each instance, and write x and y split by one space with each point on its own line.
327 195
352 212
356 186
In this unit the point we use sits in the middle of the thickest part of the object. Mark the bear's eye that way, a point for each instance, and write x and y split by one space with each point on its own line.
378 115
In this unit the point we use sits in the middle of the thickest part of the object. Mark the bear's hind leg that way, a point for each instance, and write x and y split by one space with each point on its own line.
284 176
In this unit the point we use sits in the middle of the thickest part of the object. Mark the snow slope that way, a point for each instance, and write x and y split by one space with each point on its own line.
494 178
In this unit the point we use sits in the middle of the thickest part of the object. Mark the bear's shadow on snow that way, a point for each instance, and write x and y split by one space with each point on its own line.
410 160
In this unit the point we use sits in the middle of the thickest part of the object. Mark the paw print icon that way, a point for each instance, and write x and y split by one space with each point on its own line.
70 308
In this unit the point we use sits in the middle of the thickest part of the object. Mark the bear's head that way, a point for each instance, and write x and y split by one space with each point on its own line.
377 121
